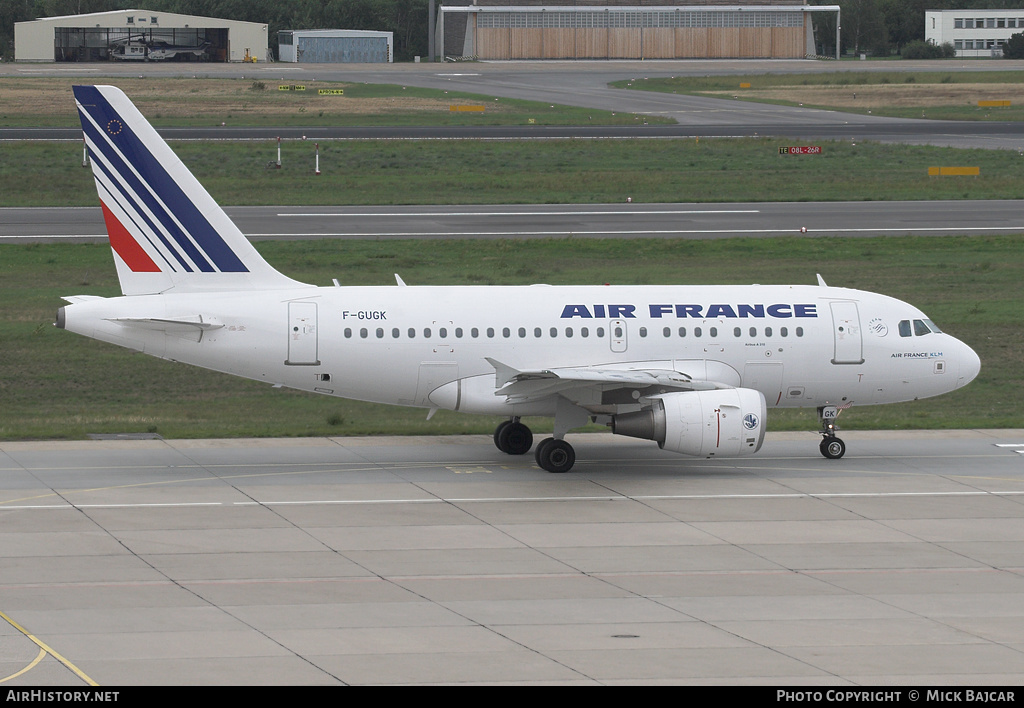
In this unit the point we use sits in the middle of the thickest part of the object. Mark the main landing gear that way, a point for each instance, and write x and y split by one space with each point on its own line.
513 438
553 455
831 446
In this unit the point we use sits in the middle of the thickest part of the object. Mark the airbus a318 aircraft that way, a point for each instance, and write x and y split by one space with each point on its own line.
693 368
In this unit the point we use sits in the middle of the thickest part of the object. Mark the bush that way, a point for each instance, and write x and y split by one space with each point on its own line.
1014 47
921 49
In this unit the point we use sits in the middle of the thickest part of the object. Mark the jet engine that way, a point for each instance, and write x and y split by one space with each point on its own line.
719 423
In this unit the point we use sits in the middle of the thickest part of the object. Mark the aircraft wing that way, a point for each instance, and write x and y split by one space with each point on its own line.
582 383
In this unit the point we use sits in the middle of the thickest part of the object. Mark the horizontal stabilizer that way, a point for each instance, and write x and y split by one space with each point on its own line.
80 298
192 323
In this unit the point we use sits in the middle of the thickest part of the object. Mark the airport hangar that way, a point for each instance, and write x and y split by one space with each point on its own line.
100 36
624 29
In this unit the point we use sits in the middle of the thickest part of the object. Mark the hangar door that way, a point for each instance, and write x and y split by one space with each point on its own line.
130 44
342 50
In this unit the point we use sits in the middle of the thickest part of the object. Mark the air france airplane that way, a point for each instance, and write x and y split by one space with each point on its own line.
693 368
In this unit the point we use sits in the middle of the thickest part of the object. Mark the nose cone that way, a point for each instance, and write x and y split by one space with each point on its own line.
970 365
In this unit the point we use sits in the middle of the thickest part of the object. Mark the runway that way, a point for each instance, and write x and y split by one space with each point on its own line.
441 561
682 220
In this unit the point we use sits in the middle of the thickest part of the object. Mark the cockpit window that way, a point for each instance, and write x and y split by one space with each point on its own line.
920 328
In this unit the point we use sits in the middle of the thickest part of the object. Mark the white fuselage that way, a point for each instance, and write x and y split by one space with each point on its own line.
429 346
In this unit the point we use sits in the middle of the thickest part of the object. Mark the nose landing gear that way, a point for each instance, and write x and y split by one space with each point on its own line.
831 446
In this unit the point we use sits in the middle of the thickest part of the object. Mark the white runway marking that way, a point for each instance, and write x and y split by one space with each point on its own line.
569 232
507 500
533 213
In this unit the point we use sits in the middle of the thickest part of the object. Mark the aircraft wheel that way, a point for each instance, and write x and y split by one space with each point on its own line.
555 455
540 448
502 426
832 448
515 439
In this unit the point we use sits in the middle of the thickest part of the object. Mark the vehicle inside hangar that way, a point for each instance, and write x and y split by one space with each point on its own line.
140 44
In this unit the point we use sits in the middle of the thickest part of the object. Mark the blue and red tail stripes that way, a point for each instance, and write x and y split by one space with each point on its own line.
166 231
141 187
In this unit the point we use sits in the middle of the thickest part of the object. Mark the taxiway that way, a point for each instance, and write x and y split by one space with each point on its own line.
441 561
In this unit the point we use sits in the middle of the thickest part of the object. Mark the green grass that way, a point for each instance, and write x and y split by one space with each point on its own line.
180 101
723 82
712 86
55 384
558 171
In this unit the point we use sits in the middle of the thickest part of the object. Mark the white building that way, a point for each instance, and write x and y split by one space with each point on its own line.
973 33
138 35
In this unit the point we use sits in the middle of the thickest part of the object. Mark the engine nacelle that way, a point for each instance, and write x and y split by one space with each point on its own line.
720 423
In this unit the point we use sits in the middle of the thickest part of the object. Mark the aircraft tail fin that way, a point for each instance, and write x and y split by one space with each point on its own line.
166 231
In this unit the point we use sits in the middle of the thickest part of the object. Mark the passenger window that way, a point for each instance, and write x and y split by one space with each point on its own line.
682 331
568 331
600 332
522 332
643 331
380 333
396 333
584 332
713 332
696 331
736 331
784 331
554 332
506 332
904 328
442 332
363 333
412 333
458 332
348 333
474 333
753 331
490 332
767 331
537 332
799 331
667 332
